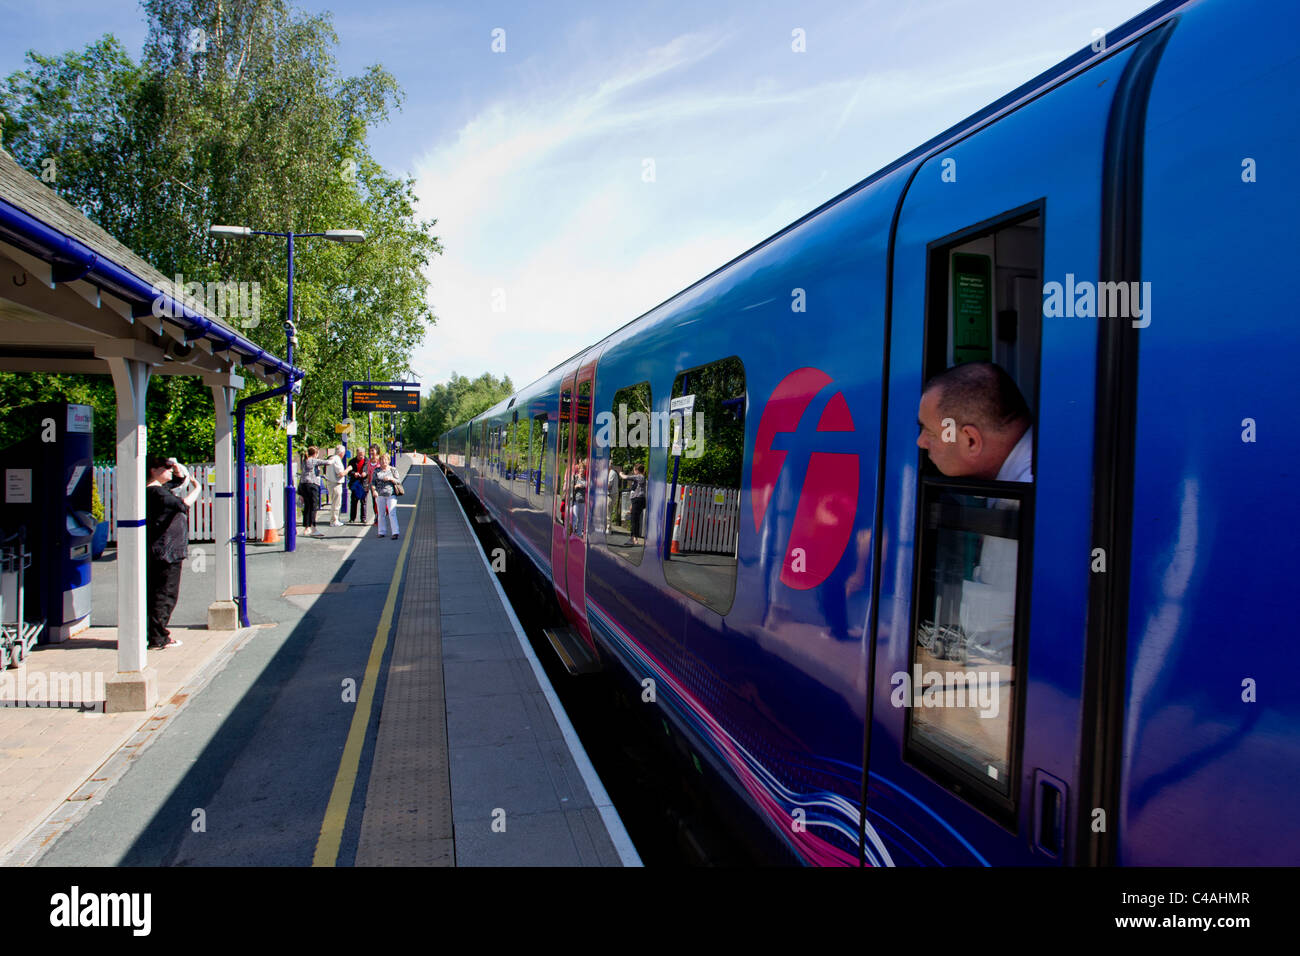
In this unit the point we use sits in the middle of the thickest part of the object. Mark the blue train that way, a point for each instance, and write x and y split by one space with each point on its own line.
886 649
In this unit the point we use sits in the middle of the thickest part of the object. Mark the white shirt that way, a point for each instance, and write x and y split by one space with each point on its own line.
337 470
1019 465
988 612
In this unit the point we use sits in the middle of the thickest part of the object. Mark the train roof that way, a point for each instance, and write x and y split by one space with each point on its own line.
1126 31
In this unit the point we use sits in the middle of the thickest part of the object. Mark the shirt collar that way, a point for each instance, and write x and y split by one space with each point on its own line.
1019 465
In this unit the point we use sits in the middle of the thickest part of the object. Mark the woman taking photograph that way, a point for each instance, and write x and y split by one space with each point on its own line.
382 480
167 497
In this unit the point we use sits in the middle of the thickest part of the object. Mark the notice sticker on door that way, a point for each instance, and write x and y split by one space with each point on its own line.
18 486
81 418
75 479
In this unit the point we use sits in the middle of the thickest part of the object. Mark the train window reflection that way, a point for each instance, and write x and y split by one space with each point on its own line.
705 468
512 449
961 688
562 457
627 473
537 454
579 486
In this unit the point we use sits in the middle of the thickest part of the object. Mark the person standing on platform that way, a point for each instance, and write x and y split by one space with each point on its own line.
637 501
382 480
358 473
373 463
612 508
168 496
335 474
309 491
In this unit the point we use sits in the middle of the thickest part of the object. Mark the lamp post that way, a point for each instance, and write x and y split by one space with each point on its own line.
332 235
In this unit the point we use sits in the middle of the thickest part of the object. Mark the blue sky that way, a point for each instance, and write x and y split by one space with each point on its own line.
533 159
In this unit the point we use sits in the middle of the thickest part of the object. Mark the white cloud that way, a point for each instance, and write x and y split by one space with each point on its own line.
541 193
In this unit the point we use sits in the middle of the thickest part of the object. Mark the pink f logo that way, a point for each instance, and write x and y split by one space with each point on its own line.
828 501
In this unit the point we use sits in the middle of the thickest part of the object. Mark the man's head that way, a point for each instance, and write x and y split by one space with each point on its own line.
971 416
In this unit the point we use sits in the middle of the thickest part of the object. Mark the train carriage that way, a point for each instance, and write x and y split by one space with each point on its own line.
810 595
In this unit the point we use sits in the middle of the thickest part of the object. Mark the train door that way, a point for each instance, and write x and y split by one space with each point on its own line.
981 639
570 507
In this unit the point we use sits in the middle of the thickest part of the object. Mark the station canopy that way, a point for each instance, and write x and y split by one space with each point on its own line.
71 295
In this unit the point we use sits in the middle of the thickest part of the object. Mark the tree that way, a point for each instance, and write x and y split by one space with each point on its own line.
719 391
237 115
451 404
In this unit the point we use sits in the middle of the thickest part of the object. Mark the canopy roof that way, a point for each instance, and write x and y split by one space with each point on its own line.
71 294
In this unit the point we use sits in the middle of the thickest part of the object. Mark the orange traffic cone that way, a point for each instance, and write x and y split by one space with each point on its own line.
677 528
270 534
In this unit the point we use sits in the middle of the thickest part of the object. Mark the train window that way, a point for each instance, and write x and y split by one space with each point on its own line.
562 457
512 448
975 510
537 453
628 472
961 688
579 490
521 437
705 469
986 299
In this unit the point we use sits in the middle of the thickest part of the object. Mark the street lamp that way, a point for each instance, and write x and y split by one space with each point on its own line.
331 235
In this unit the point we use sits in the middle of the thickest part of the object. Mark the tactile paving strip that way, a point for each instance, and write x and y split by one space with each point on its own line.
407 819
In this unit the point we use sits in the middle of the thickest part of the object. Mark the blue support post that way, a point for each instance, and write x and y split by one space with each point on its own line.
241 522
290 492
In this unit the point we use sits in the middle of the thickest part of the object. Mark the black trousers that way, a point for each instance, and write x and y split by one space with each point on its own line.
310 494
162 588
357 501
635 518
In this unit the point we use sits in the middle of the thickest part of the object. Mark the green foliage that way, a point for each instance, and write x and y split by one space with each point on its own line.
237 115
636 398
19 392
96 503
722 462
451 404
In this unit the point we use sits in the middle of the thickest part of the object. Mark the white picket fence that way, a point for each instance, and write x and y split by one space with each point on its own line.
262 483
710 519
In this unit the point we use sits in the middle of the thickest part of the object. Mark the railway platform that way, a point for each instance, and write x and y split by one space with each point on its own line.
449 749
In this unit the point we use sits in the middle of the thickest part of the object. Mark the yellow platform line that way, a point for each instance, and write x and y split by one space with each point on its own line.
336 811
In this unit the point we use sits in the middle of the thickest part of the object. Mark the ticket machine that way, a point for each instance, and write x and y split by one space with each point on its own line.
47 481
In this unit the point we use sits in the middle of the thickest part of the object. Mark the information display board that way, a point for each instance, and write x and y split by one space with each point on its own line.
385 400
